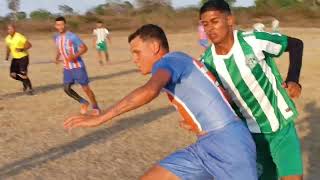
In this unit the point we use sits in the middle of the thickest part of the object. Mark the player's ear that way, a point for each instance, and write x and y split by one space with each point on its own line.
230 20
155 47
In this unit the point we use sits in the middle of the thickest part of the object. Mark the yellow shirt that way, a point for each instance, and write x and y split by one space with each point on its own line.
17 41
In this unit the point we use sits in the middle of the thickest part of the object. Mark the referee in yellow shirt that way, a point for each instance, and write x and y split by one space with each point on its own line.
17 46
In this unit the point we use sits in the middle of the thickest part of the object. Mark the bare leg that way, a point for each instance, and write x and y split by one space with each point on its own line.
159 173
107 56
92 99
100 57
292 178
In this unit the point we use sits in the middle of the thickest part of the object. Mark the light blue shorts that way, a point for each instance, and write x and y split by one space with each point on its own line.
225 154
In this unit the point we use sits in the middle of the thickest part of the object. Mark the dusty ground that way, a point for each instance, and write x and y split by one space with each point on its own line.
35 146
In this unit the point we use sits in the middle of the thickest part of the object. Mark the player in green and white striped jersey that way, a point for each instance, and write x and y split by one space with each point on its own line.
243 63
101 34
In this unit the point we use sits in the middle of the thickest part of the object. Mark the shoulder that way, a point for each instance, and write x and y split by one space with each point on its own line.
7 38
176 56
174 60
20 36
72 36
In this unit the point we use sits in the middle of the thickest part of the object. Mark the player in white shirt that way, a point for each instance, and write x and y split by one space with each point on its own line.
101 35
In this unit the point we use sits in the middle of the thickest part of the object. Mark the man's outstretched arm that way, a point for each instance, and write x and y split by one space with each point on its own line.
133 100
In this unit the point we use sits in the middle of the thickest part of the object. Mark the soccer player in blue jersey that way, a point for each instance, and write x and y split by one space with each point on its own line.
224 149
70 48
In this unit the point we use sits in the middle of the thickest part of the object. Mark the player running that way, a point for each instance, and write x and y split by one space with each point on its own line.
70 48
18 46
224 149
101 35
243 63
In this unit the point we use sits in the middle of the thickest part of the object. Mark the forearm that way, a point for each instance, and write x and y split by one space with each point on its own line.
82 50
134 100
57 56
7 53
27 46
295 49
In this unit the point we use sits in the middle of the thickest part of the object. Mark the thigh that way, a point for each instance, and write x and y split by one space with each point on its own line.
286 152
229 153
67 77
266 168
81 76
23 65
186 165
14 68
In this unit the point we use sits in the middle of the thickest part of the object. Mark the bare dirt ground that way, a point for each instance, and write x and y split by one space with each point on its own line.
35 146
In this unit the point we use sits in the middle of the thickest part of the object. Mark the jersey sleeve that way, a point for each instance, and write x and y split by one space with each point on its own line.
106 31
171 67
272 43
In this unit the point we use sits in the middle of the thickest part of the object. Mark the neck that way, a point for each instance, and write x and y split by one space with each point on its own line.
13 34
160 55
63 32
223 47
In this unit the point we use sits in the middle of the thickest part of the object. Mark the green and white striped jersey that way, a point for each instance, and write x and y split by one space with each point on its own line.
249 73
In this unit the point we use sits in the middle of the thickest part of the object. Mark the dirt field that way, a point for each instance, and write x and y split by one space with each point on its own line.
34 145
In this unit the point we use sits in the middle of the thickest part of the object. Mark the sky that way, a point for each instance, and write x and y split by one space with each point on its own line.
82 6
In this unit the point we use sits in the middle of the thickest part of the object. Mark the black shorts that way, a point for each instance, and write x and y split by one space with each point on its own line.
19 66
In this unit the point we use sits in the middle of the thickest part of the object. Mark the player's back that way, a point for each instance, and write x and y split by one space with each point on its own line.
194 93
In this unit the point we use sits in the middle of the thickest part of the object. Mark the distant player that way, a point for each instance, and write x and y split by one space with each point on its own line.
224 150
18 46
70 48
260 27
101 35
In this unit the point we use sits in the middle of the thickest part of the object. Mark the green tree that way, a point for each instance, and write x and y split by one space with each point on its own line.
282 3
21 15
40 14
14 6
150 3
66 10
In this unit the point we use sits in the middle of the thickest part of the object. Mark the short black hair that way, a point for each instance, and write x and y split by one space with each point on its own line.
99 22
151 31
215 5
61 18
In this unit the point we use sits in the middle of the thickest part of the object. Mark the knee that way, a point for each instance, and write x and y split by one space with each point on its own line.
13 75
67 88
86 88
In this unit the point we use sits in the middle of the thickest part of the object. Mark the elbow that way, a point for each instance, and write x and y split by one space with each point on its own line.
300 44
151 93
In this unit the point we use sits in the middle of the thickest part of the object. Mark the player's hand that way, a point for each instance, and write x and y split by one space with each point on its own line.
71 58
293 89
82 121
20 49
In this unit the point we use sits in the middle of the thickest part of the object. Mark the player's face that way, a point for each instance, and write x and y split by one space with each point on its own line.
217 25
142 54
11 30
60 26
99 25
